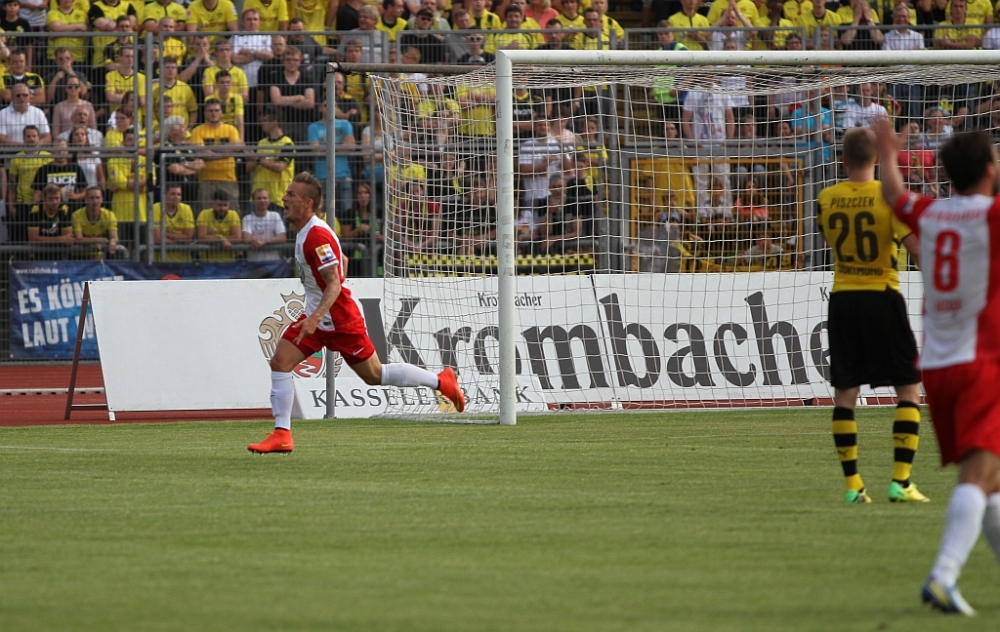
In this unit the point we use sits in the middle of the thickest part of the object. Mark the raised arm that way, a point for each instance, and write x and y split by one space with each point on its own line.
888 144
912 244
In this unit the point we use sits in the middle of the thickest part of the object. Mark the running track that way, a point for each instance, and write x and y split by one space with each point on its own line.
47 409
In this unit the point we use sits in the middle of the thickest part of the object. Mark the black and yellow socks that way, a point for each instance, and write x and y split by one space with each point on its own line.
905 438
845 437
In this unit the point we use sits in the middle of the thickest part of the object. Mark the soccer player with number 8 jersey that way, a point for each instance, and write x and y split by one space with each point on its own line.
870 337
960 242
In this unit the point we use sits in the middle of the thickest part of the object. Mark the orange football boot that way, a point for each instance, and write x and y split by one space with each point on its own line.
448 386
279 441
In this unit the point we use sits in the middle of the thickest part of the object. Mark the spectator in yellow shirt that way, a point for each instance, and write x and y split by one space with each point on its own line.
608 23
224 61
211 16
976 11
124 39
179 222
769 38
746 7
863 37
814 15
483 19
122 181
219 143
68 17
273 13
529 23
219 226
273 164
570 17
21 173
104 16
594 38
181 95
391 21
156 11
123 80
232 103
511 37
172 46
478 110
688 17
317 15
96 225
946 38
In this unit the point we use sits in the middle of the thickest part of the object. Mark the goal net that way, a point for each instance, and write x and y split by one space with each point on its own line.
664 240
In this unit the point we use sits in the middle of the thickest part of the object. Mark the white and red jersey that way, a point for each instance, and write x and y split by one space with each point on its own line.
317 248
960 262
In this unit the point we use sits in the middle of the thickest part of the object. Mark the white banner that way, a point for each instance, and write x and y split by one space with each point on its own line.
631 340
639 340
453 317
184 345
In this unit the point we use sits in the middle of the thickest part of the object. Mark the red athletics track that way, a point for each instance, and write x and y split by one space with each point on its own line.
47 409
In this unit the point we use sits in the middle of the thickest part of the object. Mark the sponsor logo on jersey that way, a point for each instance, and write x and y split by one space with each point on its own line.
325 254
907 207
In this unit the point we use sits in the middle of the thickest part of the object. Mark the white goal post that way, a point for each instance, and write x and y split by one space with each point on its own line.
619 320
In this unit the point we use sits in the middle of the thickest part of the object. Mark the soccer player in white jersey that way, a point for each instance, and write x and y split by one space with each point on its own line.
960 262
331 320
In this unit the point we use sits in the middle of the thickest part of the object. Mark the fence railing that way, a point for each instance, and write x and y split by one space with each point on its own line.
134 148
93 62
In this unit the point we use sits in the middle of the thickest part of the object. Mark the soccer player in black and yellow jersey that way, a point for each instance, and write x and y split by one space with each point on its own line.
870 337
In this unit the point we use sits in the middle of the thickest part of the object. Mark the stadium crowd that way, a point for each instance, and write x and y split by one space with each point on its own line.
237 111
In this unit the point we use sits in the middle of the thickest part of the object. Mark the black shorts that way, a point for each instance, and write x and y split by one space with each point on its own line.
870 340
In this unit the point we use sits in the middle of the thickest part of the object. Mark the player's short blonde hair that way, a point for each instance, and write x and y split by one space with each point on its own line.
314 190
859 147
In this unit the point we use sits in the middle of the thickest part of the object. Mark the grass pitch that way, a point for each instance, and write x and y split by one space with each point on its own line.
676 521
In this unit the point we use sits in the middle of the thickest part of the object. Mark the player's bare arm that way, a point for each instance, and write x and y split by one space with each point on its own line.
235 236
331 276
888 144
912 244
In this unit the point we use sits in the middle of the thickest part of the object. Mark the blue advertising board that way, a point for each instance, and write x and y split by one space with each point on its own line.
45 297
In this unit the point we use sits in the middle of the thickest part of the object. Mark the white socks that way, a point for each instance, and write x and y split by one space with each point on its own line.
963 523
400 374
991 524
282 395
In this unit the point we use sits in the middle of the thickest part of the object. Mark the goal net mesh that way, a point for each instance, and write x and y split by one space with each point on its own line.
667 247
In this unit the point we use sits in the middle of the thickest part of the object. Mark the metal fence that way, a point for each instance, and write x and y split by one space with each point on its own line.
83 86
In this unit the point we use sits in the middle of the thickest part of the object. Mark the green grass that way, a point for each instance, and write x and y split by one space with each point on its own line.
679 521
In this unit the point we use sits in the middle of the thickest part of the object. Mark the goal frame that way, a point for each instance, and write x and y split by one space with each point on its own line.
506 60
